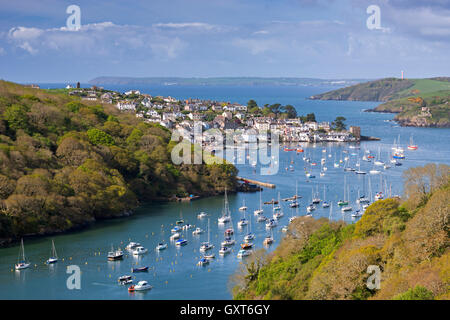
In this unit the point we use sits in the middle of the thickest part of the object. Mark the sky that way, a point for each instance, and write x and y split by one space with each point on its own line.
328 39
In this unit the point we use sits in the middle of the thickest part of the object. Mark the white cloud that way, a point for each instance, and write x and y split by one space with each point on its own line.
184 25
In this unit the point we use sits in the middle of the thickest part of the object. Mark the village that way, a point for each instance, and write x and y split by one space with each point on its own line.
184 115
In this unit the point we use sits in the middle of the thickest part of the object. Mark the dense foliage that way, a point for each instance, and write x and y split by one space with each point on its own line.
319 259
64 163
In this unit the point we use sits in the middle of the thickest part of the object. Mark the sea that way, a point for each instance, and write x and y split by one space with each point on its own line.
173 273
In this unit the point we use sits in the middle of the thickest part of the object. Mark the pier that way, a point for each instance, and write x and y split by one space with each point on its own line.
264 184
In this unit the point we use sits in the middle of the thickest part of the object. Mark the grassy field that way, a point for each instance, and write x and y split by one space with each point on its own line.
423 87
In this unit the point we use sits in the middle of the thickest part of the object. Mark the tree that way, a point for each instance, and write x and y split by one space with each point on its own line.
17 117
290 110
310 117
416 293
251 104
338 124
97 136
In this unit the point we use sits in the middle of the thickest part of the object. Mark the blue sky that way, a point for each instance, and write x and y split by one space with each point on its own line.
209 38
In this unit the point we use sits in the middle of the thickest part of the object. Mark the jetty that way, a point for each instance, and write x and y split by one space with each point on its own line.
264 184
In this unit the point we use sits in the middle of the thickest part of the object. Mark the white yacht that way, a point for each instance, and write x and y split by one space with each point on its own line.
139 251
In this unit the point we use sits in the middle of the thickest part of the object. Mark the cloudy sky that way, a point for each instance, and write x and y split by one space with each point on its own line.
209 38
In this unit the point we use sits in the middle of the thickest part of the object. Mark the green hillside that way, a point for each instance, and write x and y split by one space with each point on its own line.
318 259
65 163
378 90
405 97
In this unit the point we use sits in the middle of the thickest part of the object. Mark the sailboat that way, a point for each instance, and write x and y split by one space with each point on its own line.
325 204
243 222
249 236
268 240
347 207
378 162
226 211
294 203
277 207
180 221
315 198
260 210
22 263
206 245
343 202
243 208
279 213
411 145
53 256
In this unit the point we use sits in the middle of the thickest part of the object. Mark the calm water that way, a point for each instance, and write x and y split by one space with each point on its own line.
174 274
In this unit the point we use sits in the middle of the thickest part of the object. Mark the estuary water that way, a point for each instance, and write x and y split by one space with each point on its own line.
173 272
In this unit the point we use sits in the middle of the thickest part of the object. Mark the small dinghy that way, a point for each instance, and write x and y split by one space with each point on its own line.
140 269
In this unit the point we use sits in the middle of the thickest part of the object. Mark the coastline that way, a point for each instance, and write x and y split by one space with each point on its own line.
10 242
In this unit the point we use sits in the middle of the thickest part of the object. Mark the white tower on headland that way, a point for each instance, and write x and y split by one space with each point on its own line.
402 74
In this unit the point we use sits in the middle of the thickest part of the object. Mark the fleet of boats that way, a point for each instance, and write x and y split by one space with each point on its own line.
246 247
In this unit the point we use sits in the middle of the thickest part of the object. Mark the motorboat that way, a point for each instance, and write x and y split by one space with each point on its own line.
203 262
161 246
224 250
229 232
125 280
244 253
197 231
132 245
187 226
181 242
175 229
202 215
310 208
228 241
175 236
342 203
140 286
325 204
138 251
246 245
114 255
